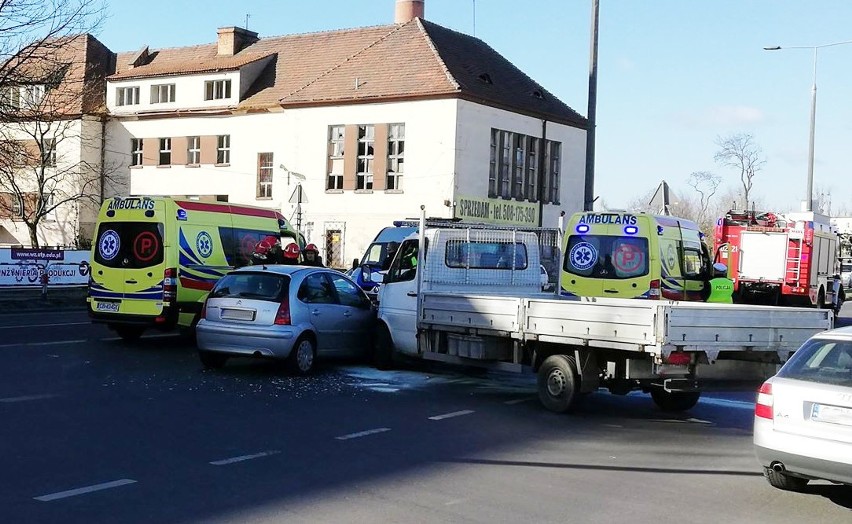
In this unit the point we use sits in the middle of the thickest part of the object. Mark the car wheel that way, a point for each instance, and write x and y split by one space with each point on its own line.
674 400
383 349
558 383
212 359
302 357
129 333
783 480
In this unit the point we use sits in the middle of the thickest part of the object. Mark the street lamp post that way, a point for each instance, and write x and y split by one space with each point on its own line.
810 190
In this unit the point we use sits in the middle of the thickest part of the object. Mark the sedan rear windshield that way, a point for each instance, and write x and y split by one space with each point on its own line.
824 361
255 286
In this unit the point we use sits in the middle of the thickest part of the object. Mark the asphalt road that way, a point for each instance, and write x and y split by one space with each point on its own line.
94 430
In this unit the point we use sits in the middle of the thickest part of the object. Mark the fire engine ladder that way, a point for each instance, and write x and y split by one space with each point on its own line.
794 260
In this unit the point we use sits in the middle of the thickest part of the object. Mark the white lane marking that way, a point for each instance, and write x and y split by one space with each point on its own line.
362 433
518 401
35 344
699 421
46 325
242 458
451 415
617 426
83 491
740 404
25 398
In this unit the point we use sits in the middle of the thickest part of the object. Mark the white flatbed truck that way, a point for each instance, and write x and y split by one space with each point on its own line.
446 299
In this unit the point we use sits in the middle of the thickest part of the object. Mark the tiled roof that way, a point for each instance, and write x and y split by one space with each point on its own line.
415 59
173 62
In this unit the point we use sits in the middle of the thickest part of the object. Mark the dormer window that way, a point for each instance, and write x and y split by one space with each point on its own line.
22 97
127 96
162 93
217 89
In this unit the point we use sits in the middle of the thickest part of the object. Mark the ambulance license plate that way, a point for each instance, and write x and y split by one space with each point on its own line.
107 306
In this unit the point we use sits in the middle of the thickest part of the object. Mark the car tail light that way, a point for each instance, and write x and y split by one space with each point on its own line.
654 291
170 284
679 358
204 308
282 317
763 407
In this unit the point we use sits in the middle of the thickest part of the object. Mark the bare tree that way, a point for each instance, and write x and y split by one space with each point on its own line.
52 80
741 153
705 184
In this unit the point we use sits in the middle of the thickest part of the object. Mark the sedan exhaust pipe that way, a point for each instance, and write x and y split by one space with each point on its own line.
778 467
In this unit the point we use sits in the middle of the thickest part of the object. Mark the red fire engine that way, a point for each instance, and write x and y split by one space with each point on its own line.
778 259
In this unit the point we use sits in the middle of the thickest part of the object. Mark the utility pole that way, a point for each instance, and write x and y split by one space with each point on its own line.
589 196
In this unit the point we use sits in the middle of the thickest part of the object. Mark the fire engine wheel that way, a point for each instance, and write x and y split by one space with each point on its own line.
558 383
674 400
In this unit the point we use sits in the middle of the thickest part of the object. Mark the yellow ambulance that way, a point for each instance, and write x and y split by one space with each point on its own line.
634 255
155 258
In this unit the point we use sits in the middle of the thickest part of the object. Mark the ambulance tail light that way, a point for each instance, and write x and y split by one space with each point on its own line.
170 284
654 291
282 317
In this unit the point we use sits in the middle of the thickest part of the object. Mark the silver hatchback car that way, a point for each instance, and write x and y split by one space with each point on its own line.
803 415
296 313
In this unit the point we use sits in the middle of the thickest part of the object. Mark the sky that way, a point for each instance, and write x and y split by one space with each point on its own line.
673 75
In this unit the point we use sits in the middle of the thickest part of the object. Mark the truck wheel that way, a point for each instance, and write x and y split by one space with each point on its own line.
558 384
129 333
383 349
212 360
784 481
820 299
674 400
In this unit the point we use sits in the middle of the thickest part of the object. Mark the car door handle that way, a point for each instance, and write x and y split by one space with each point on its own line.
610 291
315 312
412 293
130 282
347 313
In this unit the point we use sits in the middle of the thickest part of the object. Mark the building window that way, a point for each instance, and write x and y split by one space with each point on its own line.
217 89
334 180
494 168
31 96
49 152
223 149
17 206
162 93
135 151
519 159
555 157
11 97
264 175
193 150
396 156
165 152
127 96
532 168
364 173
49 203
505 165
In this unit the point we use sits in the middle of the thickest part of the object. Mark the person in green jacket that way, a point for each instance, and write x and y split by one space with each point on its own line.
721 288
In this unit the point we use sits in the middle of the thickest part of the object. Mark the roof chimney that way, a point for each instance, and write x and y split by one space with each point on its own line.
406 10
232 40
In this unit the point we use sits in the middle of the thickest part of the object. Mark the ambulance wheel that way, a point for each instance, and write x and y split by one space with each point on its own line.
558 383
674 400
129 333
212 360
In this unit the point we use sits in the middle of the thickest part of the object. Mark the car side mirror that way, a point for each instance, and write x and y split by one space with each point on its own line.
367 275
355 263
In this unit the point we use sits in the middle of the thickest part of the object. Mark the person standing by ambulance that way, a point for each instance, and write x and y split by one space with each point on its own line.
311 256
720 287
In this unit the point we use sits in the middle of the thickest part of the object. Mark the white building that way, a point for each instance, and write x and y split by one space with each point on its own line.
372 122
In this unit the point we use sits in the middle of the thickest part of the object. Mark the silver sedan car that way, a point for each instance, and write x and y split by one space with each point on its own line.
803 415
296 313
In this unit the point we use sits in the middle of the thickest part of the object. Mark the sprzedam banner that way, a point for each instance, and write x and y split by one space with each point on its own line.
72 270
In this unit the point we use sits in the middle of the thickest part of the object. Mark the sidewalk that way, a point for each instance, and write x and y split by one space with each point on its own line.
13 300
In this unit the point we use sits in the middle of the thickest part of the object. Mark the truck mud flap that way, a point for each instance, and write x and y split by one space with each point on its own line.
681 385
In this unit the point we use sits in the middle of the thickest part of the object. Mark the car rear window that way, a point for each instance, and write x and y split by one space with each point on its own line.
825 361
255 286
602 256
131 245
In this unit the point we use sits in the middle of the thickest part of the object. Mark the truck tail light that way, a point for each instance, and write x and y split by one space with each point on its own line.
170 284
654 291
763 407
679 358
282 317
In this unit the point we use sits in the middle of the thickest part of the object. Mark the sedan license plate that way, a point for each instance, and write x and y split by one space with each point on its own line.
107 306
237 314
832 414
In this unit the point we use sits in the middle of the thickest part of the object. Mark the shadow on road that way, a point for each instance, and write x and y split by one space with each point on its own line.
595 467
